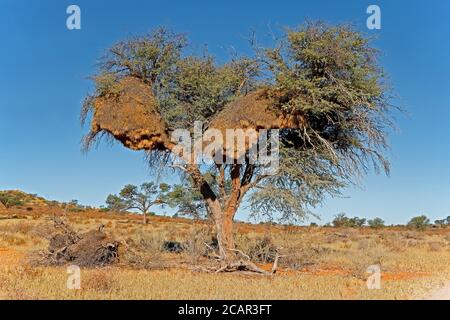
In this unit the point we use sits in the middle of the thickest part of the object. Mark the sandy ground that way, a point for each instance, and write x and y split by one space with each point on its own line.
10 258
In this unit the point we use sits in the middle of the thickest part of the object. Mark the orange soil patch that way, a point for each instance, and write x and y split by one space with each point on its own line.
396 276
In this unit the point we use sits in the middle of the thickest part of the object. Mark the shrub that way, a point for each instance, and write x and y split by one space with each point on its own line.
341 220
11 200
419 223
376 223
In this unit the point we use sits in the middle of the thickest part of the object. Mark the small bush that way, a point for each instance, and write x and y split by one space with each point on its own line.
342 221
10 200
376 223
419 223
263 250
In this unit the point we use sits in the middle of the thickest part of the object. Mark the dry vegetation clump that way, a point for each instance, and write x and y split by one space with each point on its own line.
396 242
341 235
99 280
14 233
200 244
303 257
259 249
93 248
22 227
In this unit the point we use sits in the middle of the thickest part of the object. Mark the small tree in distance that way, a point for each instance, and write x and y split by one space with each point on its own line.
141 198
9 200
419 223
376 223
188 200
342 221
443 222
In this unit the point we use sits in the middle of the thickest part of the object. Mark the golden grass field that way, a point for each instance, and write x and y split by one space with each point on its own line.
319 262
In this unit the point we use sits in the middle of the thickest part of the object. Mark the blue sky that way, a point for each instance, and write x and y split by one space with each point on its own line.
44 66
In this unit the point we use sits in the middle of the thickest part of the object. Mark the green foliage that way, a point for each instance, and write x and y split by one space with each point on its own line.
200 88
342 221
376 223
443 222
419 223
187 200
10 199
116 203
141 198
329 77
150 57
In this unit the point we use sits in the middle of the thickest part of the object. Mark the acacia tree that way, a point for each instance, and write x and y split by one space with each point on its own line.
320 86
141 198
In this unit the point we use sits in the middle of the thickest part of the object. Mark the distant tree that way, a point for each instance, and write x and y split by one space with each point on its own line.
187 200
419 223
440 223
10 199
104 209
376 223
341 220
115 203
357 222
443 222
447 220
141 198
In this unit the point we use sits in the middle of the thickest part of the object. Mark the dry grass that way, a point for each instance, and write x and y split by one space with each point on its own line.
318 263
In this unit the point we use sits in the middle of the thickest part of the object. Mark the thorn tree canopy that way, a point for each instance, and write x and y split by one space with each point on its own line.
321 86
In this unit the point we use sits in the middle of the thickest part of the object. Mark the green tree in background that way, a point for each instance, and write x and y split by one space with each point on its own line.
341 220
419 223
141 198
376 223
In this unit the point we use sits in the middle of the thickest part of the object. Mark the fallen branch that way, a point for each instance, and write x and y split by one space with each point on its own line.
241 266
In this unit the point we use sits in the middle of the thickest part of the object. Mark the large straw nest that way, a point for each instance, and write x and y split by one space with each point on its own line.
132 116
253 111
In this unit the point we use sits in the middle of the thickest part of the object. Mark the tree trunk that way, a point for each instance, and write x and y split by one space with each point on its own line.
224 231
145 218
223 218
